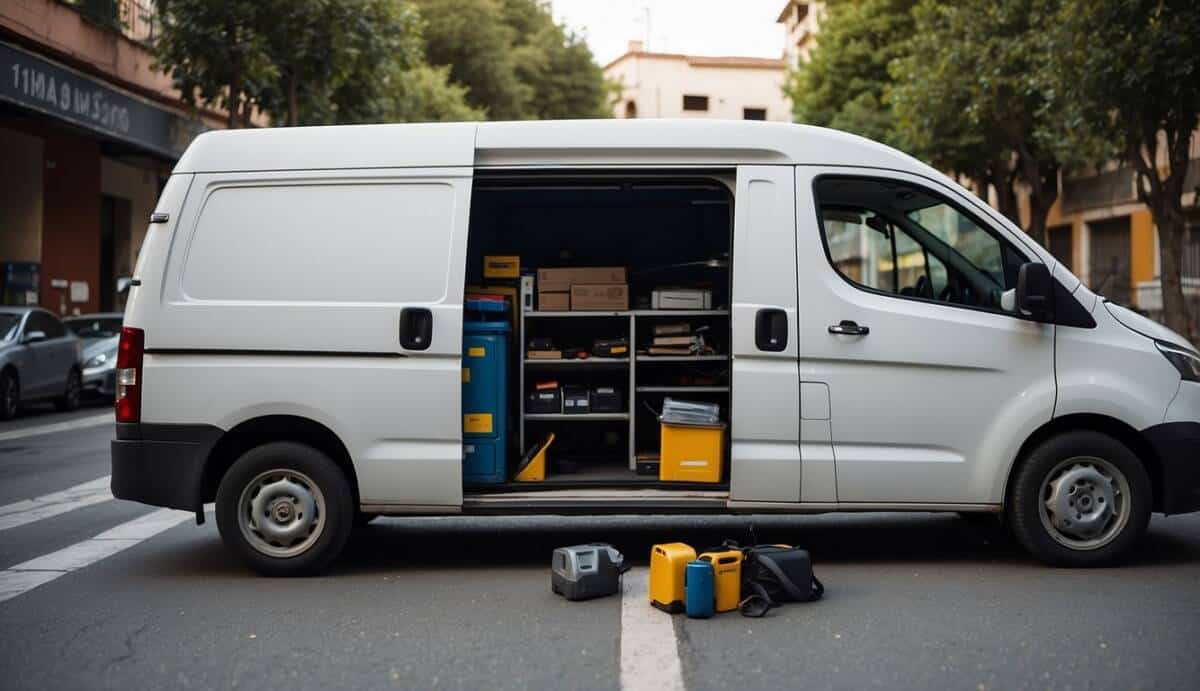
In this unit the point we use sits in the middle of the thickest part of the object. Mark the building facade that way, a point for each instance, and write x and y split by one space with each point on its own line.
801 23
89 132
671 85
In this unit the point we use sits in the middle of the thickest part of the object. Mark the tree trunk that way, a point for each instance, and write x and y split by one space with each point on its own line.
1006 198
1172 227
293 101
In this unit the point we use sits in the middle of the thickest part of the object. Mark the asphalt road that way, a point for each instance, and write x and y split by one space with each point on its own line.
913 601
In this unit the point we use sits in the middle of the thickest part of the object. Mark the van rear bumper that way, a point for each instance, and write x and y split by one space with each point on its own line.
161 465
1177 445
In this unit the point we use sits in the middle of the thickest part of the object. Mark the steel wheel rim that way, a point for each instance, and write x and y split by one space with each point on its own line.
281 513
1084 503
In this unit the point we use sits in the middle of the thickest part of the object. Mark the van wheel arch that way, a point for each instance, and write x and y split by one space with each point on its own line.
265 430
1102 424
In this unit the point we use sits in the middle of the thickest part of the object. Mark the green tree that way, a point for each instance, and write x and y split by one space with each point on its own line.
215 53
472 39
515 61
974 96
1131 70
845 86
425 94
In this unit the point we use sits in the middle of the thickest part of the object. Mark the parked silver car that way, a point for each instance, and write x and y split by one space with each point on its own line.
100 334
39 360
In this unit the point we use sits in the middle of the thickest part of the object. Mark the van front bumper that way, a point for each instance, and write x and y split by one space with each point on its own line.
162 465
1177 445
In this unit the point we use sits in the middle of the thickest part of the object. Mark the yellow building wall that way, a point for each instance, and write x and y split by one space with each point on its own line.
1141 248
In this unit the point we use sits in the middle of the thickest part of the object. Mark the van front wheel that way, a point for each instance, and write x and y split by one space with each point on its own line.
1080 499
285 508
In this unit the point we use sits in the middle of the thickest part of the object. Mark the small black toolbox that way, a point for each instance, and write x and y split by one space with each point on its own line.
544 400
606 399
576 400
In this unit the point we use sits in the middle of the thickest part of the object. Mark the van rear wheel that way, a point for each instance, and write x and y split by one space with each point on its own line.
1080 499
286 509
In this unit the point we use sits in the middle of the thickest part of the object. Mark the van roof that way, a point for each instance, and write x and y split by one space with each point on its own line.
546 142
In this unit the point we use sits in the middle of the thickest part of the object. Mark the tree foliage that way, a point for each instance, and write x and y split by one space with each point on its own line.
515 61
974 95
1130 69
845 85
305 61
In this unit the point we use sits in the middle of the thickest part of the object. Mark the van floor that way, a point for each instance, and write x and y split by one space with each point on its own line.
595 477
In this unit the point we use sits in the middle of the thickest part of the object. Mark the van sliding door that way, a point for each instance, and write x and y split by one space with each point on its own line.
765 418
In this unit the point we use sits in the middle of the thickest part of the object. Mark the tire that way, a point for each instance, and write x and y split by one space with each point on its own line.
307 509
1080 499
10 396
70 398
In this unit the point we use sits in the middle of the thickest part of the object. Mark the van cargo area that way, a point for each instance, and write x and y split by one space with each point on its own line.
612 293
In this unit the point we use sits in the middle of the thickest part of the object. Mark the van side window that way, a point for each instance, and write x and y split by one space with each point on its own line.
894 237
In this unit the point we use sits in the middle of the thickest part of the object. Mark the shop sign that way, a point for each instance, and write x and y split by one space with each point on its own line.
47 87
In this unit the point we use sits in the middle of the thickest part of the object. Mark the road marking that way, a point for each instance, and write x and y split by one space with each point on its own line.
47 505
649 653
20 579
90 421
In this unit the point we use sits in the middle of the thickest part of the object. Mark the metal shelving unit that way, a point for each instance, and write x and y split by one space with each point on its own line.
632 362
581 417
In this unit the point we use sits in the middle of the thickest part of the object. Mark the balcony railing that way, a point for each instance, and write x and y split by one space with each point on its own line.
137 20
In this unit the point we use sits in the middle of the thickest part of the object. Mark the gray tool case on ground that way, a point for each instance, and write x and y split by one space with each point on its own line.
581 572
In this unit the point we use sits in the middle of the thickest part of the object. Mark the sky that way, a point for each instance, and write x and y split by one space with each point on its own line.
698 27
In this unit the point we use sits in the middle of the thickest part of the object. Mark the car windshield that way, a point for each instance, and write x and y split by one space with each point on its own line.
85 327
9 324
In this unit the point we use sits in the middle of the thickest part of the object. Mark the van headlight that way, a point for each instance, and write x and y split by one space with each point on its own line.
1186 361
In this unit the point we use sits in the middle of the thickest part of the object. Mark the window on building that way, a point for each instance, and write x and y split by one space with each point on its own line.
630 109
697 103
754 113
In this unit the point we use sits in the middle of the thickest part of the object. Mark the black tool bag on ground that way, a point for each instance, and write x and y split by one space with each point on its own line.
774 574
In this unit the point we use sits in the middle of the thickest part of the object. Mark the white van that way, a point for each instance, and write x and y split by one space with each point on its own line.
876 337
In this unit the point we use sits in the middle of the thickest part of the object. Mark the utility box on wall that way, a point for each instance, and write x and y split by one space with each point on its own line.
19 283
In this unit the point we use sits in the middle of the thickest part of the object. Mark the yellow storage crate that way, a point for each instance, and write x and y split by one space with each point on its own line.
692 453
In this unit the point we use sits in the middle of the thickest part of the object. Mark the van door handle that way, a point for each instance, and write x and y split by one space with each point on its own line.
416 328
848 328
771 330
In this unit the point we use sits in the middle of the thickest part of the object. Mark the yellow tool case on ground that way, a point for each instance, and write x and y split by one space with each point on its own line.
667 564
727 577
692 453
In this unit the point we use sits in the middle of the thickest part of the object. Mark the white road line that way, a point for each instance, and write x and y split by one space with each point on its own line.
26 576
47 505
649 653
80 423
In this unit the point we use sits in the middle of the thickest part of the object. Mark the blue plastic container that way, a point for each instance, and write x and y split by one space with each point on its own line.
700 598
485 393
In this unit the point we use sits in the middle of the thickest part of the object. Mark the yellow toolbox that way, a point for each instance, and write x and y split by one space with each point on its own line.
533 466
727 577
692 453
501 266
667 564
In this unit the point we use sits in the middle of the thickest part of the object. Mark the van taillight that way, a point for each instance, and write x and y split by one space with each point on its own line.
129 374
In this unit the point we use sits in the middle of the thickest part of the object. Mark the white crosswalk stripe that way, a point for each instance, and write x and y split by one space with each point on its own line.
30 510
649 652
20 579
80 423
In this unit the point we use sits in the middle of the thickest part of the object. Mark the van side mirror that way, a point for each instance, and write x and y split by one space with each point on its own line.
1035 292
34 337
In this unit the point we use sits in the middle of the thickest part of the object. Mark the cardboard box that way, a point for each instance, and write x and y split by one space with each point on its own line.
554 302
501 266
586 296
561 280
